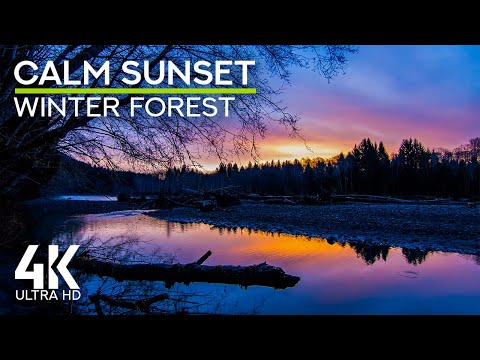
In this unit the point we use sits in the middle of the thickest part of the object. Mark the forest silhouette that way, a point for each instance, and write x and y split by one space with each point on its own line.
366 169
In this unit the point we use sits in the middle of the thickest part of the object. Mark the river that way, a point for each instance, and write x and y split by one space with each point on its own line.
335 278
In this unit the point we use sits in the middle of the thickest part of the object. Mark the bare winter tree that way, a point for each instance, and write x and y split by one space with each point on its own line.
30 145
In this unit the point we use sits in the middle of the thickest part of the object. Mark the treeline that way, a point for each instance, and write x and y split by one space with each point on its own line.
366 169
77 177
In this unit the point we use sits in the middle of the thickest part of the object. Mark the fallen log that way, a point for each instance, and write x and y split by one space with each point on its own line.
260 275
205 205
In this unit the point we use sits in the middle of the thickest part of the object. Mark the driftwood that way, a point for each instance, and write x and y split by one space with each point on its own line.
205 205
261 274
222 190
217 198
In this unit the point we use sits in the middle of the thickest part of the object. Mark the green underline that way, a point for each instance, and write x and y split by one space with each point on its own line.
53 91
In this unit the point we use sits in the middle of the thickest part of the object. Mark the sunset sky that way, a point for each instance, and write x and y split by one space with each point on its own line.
388 93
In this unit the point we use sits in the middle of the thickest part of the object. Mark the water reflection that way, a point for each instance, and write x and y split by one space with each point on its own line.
415 256
336 278
106 296
370 253
117 226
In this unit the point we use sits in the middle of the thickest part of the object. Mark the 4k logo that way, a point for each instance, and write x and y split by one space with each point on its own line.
37 274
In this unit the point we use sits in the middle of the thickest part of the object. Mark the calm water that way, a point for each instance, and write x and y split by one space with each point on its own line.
335 279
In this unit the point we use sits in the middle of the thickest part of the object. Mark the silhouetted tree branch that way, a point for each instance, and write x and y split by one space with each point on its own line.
29 146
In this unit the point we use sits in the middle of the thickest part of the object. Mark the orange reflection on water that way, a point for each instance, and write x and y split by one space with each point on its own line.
363 279
190 241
